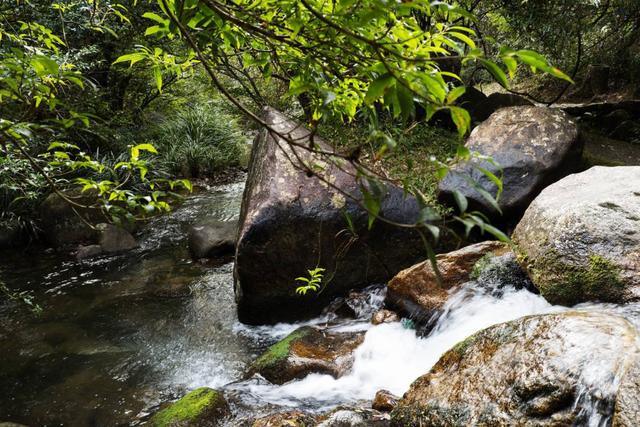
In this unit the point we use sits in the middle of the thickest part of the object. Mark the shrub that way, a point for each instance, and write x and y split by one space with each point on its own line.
21 191
200 141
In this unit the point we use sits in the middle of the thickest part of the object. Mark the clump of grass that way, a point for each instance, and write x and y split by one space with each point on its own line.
200 141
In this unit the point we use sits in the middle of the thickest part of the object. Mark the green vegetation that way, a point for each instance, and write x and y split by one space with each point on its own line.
598 280
200 141
200 405
311 283
129 97
278 351
414 161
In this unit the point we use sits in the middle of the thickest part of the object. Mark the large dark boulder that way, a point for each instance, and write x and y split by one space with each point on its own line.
546 370
291 222
533 146
580 238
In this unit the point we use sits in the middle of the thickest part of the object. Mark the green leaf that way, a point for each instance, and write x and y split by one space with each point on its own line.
464 38
436 87
461 118
497 233
43 65
496 72
377 88
461 201
372 204
157 18
455 93
405 98
131 57
157 75
497 181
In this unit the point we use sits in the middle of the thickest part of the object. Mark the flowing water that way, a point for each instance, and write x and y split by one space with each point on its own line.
120 335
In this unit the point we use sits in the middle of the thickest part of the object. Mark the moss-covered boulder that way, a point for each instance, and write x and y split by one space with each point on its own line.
308 350
418 293
580 238
546 370
203 407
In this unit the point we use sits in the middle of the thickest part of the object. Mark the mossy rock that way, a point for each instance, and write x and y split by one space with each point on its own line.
535 370
562 283
203 407
579 241
307 350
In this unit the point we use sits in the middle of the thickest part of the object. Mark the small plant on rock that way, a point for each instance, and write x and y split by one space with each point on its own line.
311 283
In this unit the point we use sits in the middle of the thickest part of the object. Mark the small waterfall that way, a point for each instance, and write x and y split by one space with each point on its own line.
392 356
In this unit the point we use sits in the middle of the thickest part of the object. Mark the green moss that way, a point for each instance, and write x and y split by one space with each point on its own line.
461 348
569 284
190 408
481 265
279 350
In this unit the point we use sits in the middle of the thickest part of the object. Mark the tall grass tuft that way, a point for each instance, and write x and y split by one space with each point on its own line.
200 141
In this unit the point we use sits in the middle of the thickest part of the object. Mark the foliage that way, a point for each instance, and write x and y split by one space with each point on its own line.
199 141
311 283
21 191
40 93
345 61
573 33
23 297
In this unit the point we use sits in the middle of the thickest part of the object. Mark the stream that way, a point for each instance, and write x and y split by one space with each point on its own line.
120 335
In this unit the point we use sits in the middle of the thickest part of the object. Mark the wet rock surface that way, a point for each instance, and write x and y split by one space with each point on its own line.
418 293
291 222
61 226
286 419
385 401
580 238
114 239
211 238
354 417
308 350
602 151
496 101
545 370
384 316
533 146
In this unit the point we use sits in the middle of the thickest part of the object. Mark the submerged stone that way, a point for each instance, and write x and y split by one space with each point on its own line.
580 238
308 350
544 370
212 238
292 222
532 146
203 407
114 239
354 417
